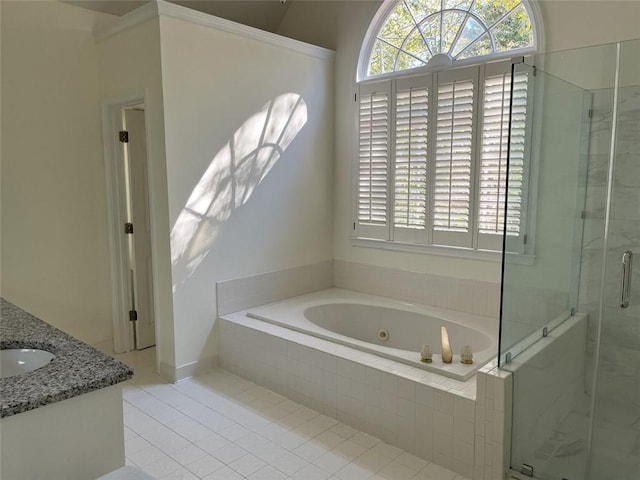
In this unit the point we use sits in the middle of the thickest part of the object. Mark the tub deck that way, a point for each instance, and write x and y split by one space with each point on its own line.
290 314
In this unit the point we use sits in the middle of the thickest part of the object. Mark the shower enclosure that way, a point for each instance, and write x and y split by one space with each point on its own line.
570 317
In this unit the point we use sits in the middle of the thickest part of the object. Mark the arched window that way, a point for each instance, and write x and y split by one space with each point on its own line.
434 100
409 34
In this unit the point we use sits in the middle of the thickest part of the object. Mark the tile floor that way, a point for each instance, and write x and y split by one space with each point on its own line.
219 426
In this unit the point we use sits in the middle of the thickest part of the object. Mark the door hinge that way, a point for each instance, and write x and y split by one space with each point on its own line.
133 315
128 228
524 239
591 113
123 136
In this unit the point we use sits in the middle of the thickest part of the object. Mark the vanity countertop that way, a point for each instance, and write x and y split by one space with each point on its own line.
77 368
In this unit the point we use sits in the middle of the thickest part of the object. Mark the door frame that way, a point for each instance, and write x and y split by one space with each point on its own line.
123 335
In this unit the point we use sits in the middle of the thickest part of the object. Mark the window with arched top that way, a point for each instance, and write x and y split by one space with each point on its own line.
417 33
436 97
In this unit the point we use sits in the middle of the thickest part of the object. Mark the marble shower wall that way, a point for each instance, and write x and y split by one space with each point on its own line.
616 440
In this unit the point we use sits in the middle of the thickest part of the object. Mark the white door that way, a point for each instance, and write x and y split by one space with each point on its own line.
140 258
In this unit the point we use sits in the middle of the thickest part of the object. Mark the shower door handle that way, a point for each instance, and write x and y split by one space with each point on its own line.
625 285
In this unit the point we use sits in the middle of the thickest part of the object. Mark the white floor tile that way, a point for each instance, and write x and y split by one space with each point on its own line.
212 443
310 451
269 451
126 473
291 441
365 440
372 461
205 466
268 473
188 455
229 453
165 439
289 463
234 432
189 429
145 456
411 461
181 474
386 450
219 426
162 467
397 471
435 472
353 471
349 450
135 444
331 462
329 439
247 465
224 474
311 472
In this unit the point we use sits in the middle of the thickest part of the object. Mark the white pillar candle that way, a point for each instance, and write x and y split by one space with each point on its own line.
447 355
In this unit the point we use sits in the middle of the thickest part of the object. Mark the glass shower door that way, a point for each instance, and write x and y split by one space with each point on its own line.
541 264
540 285
615 432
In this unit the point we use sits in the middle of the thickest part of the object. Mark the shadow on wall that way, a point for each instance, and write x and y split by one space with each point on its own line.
231 178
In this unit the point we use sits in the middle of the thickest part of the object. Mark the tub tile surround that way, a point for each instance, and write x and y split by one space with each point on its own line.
470 296
426 414
337 315
431 416
493 413
252 291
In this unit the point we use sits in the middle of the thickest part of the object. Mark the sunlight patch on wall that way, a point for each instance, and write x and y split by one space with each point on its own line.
231 178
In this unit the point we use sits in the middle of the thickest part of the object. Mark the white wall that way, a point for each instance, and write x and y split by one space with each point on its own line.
234 214
54 232
130 64
580 23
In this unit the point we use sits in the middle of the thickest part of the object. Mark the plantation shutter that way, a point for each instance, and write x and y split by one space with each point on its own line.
495 156
374 121
454 153
410 199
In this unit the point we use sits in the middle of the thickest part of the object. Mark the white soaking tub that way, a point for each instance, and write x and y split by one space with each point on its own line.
363 321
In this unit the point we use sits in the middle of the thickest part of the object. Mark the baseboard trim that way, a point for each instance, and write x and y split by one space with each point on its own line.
176 374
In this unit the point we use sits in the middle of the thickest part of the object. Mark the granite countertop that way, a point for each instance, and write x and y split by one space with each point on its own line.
77 368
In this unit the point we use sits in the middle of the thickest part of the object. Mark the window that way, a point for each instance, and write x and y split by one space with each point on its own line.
433 122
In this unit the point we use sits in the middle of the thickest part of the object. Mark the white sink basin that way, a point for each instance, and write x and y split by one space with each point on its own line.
16 361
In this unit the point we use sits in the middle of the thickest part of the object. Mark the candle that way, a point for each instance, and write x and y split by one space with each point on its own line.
447 356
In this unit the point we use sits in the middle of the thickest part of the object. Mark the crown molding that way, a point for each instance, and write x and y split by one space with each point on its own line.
159 8
132 19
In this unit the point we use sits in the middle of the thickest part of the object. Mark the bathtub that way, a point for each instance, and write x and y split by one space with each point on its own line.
388 328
